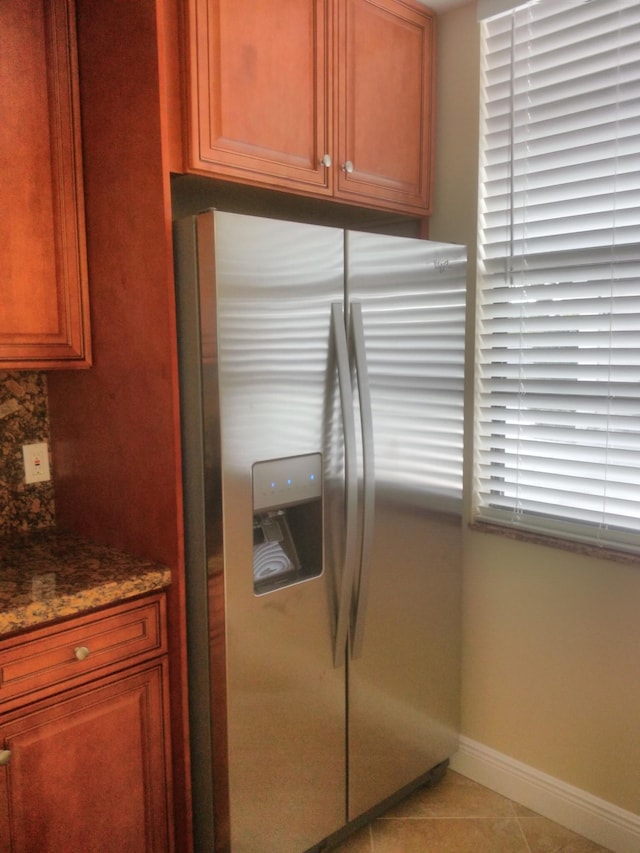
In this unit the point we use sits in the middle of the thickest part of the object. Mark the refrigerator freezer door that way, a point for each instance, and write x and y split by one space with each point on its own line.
275 283
403 697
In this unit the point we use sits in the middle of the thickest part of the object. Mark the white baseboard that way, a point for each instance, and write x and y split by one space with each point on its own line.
595 819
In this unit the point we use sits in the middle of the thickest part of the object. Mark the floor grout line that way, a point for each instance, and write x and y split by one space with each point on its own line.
522 833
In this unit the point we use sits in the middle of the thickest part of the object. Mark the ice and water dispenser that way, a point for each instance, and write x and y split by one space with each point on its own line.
287 521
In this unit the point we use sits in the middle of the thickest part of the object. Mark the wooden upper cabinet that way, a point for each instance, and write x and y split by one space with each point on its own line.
322 97
259 91
384 103
44 312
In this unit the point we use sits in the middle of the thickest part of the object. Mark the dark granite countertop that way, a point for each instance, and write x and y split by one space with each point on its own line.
47 575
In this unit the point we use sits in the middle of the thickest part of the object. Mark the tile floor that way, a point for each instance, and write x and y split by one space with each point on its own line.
460 816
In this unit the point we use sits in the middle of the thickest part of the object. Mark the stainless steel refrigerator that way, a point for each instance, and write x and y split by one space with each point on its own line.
321 384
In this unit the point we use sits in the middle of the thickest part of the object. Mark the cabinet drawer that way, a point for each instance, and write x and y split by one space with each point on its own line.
48 659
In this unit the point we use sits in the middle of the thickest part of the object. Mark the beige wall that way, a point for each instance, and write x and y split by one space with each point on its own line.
551 639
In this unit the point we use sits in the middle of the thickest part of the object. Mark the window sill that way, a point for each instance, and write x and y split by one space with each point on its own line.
584 549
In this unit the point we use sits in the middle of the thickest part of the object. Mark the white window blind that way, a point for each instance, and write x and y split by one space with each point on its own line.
557 425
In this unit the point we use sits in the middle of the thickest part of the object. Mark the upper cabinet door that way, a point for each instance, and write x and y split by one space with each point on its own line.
259 87
384 103
44 310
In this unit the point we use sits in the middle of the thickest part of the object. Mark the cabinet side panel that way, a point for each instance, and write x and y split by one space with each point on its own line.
115 429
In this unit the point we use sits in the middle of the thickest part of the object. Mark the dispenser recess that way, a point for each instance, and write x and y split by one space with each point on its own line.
287 521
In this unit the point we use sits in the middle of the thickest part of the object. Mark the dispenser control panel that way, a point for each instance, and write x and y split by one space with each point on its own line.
288 481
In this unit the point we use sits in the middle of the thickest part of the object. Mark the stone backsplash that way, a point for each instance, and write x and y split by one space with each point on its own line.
24 419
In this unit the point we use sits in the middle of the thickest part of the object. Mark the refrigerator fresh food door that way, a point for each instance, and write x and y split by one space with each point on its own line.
275 283
403 681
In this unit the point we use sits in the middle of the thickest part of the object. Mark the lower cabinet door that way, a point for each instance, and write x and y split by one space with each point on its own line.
89 771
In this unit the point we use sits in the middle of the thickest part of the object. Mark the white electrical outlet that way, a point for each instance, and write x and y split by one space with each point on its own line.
36 462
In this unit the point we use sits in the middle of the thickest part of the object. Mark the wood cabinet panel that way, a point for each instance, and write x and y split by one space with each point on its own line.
44 315
88 770
384 105
47 659
275 86
260 106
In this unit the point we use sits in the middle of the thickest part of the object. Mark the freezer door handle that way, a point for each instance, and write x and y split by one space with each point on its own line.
345 581
368 479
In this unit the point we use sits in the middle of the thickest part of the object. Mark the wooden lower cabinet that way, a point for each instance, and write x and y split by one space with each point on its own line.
87 770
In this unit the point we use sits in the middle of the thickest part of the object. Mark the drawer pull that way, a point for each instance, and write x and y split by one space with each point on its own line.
5 757
81 653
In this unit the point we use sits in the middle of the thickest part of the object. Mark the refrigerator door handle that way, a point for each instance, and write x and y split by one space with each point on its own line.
345 586
368 475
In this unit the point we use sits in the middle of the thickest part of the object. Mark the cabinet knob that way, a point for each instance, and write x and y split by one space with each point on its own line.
326 160
347 167
5 757
81 653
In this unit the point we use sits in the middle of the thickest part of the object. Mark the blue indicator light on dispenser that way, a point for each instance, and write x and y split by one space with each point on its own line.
288 482
312 477
273 485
